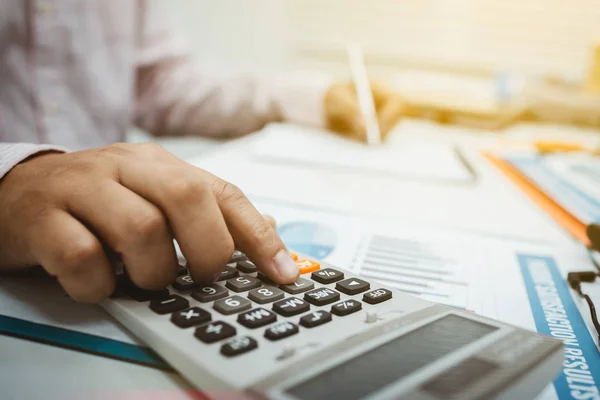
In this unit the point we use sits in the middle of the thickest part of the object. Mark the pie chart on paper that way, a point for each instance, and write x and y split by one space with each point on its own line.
311 238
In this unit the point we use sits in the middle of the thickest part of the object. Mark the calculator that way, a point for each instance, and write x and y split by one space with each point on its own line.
330 335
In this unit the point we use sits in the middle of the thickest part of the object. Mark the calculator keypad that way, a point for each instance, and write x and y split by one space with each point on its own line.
232 305
249 287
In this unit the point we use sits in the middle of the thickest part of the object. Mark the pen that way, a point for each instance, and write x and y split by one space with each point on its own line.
364 93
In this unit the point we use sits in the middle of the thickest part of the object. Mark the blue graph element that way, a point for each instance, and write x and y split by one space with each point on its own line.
311 238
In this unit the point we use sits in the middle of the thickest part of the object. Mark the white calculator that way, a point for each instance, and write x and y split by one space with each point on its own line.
331 335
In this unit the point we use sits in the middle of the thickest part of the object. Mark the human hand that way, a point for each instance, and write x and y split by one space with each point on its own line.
343 114
61 211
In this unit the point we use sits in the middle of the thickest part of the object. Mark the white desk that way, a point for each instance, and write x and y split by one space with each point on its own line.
31 370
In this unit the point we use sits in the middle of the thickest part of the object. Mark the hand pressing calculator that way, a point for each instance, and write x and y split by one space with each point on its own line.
331 335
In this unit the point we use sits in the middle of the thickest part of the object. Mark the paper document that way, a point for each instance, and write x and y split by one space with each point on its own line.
320 149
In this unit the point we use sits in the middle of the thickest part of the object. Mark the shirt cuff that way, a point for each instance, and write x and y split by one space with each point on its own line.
12 154
300 97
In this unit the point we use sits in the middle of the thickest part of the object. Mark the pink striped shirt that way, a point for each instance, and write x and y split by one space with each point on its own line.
76 74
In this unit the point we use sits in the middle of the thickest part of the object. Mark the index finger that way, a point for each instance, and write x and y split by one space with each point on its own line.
254 235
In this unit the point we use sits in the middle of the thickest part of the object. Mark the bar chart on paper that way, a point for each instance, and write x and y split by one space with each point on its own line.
414 266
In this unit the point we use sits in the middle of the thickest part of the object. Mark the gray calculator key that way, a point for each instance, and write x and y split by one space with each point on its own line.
267 294
327 275
291 306
346 307
232 305
264 278
243 283
227 273
315 318
210 293
352 286
321 296
281 330
377 296
300 286
183 283
238 256
246 266
238 345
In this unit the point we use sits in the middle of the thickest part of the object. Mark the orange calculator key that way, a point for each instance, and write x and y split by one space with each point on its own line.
307 266
294 255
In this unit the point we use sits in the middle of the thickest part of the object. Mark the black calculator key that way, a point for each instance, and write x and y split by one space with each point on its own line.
346 307
300 286
315 318
169 304
182 270
243 283
377 296
246 266
327 276
232 305
190 317
291 306
184 283
139 294
267 294
214 332
353 286
321 296
210 293
256 318
281 330
238 256
227 273
264 278
239 345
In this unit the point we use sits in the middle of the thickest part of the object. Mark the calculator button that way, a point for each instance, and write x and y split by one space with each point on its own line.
327 276
291 306
377 296
238 256
315 318
300 286
264 278
256 318
346 307
169 304
246 266
139 294
243 283
182 270
307 266
190 317
352 286
281 330
214 332
227 273
321 296
239 345
232 305
265 295
183 283
210 293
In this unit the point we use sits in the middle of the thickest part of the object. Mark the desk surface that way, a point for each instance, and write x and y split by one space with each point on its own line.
492 204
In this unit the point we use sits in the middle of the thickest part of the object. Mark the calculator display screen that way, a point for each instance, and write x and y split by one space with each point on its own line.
393 360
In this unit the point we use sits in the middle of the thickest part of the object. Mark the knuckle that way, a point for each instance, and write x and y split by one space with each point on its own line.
146 223
264 235
154 279
73 256
186 188
227 192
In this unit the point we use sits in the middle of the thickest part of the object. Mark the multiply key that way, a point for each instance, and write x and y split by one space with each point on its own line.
321 296
190 317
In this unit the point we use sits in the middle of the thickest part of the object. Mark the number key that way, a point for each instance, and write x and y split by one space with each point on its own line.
183 283
265 295
247 266
227 273
243 283
300 286
210 293
232 305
